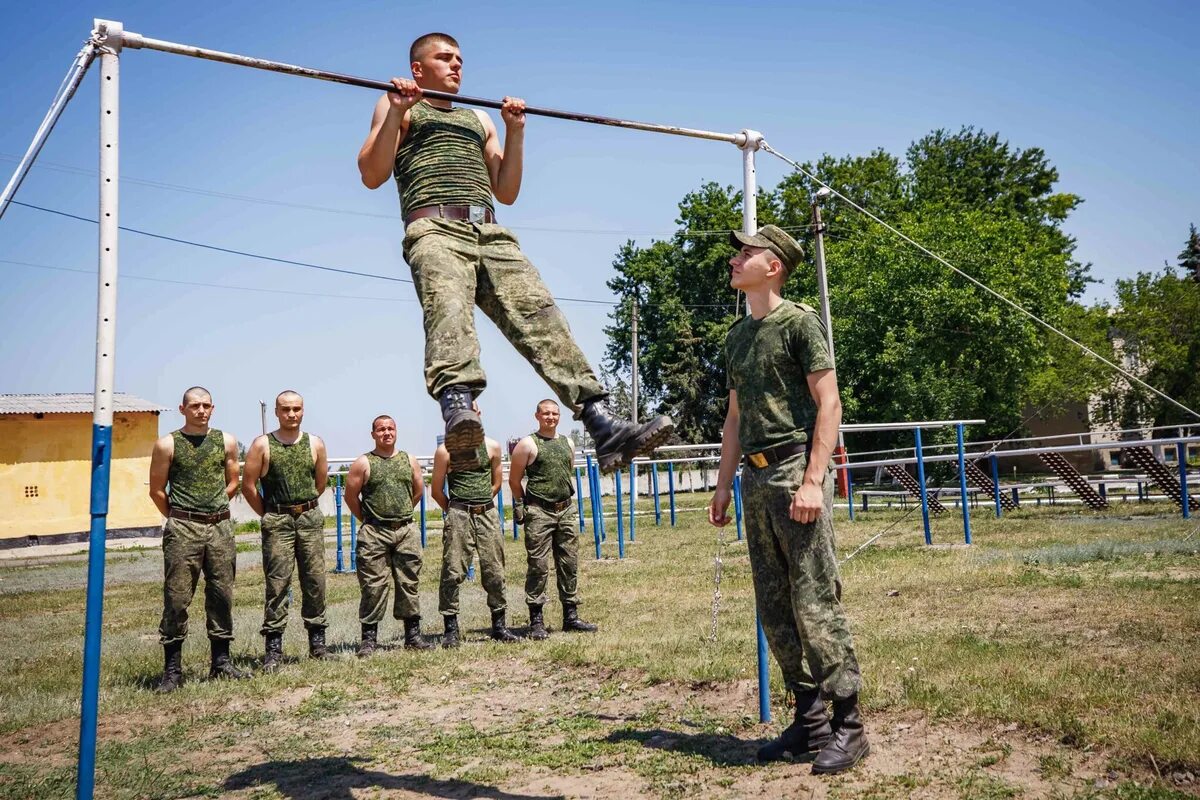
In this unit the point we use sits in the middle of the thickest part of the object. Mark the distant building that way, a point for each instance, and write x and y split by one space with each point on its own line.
45 468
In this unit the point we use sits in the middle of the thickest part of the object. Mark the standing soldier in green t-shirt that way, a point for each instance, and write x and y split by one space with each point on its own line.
380 489
448 163
193 473
544 506
293 468
471 523
784 414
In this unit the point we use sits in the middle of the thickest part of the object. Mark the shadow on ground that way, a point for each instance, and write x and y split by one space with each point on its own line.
722 749
337 778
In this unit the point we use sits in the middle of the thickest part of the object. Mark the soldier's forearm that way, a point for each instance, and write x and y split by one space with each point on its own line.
160 501
829 418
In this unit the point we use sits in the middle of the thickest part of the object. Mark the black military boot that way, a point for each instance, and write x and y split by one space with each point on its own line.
537 625
807 734
618 442
500 631
273 659
572 622
368 643
172 677
464 431
450 635
316 643
849 743
413 640
222 665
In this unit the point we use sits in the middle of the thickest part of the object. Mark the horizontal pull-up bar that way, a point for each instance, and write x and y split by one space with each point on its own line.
137 41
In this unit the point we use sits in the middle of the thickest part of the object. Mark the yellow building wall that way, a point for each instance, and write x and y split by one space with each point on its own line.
45 473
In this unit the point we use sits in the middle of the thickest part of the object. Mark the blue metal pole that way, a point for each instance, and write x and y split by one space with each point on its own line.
500 505
101 462
579 498
737 503
1183 487
996 485
962 484
671 489
353 544
620 516
850 493
595 512
657 503
600 501
423 530
764 685
337 502
921 483
632 502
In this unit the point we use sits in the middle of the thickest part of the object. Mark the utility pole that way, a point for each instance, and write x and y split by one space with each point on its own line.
634 353
262 407
839 453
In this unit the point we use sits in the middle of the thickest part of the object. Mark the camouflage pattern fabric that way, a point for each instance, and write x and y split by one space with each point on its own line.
189 550
462 533
440 161
286 542
767 361
196 477
548 533
551 475
289 478
472 486
387 494
388 555
796 583
457 265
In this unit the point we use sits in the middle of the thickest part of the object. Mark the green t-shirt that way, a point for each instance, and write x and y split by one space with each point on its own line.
767 362
388 493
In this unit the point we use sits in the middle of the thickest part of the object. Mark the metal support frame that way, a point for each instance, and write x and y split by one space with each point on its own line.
921 483
579 498
654 488
996 486
737 503
1184 500
962 485
620 515
632 503
337 506
423 521
671 490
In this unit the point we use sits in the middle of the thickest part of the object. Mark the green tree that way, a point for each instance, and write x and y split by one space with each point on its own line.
1189 259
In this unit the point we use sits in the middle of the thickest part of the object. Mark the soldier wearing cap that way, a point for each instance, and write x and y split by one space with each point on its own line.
193 473
784 413
294 469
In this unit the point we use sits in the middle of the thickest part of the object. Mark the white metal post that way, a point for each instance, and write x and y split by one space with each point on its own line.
109 35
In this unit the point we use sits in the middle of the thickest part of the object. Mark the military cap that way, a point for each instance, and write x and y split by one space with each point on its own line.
775 239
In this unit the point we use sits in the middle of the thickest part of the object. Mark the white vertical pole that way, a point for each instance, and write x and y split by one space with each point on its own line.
102 414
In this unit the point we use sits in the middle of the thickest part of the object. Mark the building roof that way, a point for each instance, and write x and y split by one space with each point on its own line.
70 403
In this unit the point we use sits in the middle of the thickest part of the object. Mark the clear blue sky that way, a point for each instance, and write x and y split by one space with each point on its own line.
1109 90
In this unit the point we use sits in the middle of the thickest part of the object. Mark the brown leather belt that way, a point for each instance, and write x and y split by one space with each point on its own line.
295 510
550 506
462 213
197 516
773 455
472 508
386 523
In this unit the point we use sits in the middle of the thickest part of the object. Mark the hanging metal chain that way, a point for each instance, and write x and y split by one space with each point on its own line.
718 568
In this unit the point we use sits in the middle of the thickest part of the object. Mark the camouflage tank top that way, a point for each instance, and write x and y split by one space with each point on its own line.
440 161
473 486
387 494
197 474
549 476
289 478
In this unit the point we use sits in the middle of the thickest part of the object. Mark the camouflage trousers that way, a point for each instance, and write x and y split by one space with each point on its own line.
458 265
796 584
387 556
189 549
463 533
288 541
551 533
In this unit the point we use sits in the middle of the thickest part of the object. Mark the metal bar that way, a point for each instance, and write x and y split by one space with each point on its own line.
70 84
102 403
657 502
996 486
632 502
423 521
579 497
137 41
850 494
1183 485
500 506
924 491
595 509
337 504
620 516
764 683
671 489
353 544
737 503
1069 448
962 486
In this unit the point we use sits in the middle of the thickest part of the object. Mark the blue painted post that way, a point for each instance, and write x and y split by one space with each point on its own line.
600 502
579 497
962 484
850 493
500 505
671 489
337 502
620 516
632 502
101 463
657 503
764 684
595 508
1183 487
921 484
423 529
996 485
1016 497
737 503
353 544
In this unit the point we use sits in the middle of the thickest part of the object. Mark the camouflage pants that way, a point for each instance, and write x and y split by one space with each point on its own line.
796 584
286 542
189 549
546 533
458 265
464 532
388 555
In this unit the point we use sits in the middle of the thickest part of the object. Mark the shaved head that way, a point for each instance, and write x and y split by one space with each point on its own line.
417 49
544 402
195 392
375 421
288 394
